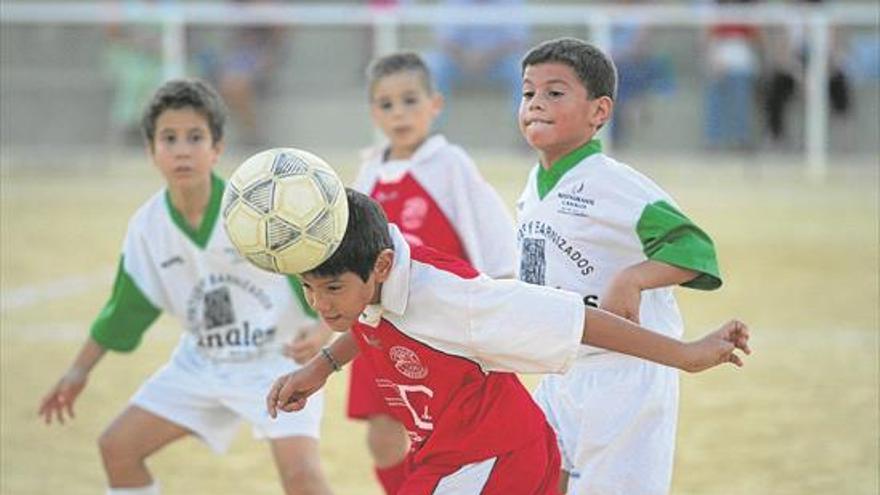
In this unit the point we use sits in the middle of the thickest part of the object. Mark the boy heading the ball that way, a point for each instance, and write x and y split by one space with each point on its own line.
443 340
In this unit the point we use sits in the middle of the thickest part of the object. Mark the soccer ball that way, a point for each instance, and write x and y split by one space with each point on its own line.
285 210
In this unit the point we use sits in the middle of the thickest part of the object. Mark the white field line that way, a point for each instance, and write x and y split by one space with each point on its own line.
30 295
75 332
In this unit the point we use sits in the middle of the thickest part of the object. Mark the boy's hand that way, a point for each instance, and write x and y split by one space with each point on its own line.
718 347
62 396
307 342
623 297
290 392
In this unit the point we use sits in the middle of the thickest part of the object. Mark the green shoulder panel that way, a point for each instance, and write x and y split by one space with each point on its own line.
297 289
668 236
125 317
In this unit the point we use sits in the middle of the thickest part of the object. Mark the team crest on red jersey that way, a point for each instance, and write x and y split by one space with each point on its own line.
413 213
407 362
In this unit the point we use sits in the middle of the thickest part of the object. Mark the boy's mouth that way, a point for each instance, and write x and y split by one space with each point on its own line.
532 122
331 319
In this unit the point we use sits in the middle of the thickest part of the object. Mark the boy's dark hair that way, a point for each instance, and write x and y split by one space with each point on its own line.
183 93
366 235
399 62
595 70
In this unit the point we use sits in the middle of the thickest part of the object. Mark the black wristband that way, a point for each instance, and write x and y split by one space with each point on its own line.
333 363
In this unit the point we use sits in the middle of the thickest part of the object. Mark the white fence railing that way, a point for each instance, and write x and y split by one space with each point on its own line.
596 19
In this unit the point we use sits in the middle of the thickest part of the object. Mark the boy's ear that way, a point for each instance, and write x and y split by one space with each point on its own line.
603 111
382 268
437 102
219 147
148 147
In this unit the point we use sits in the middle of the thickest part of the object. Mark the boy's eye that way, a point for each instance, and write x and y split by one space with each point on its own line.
410 100
528 94
385 105
555 93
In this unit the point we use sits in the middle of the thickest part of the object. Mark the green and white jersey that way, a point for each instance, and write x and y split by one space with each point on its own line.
229 309
589 217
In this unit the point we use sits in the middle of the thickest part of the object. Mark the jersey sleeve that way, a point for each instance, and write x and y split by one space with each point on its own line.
670 237
126 315
524 328
482 220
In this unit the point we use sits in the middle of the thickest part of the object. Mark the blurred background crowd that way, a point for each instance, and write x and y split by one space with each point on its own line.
736 87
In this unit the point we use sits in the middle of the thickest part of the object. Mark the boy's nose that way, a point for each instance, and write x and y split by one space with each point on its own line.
320 304
536 103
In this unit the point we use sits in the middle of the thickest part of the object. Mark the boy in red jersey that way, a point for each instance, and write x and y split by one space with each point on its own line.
434 193
442 340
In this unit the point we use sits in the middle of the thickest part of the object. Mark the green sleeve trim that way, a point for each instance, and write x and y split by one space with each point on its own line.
668 236
297 289
125 317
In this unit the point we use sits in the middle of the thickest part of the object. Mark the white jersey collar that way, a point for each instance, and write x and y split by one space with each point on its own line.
395 290
394 170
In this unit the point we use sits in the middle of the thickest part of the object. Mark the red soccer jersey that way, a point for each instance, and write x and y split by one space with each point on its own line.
420 219
455 413
438 198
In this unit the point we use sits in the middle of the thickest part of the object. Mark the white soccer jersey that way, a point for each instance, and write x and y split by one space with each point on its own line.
451 308
230 310
469 203
579 224
590 217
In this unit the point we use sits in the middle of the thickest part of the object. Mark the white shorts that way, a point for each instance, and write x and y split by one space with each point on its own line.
211 401
615 419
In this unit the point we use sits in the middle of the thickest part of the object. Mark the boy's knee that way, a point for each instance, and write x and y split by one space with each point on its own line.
115 448
303 478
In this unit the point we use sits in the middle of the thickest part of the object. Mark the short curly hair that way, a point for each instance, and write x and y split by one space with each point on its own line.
186 93
593 67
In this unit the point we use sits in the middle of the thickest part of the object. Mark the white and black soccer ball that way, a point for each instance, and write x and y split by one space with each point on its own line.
285 210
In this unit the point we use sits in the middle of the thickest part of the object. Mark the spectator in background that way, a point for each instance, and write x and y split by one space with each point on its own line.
243 70
133 63
472 52
789 55
640 73
733 67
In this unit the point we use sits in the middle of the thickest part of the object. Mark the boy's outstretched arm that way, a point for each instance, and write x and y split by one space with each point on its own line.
290 392
605 330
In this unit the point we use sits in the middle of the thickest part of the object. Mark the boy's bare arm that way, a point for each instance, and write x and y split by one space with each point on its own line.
624 294
605 330
651 274
290 392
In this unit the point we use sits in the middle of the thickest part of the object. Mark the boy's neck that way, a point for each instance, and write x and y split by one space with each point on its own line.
192 201
403 154
549 159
